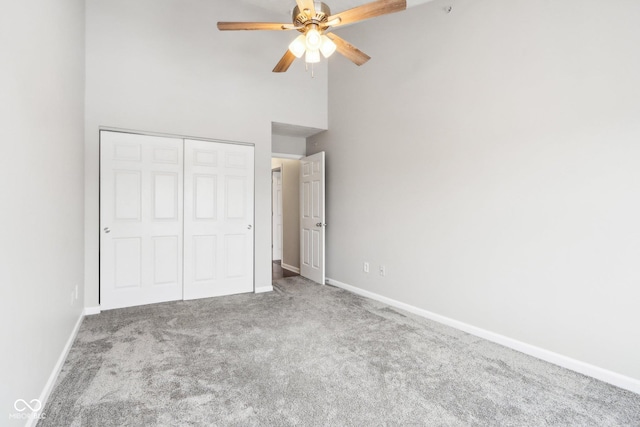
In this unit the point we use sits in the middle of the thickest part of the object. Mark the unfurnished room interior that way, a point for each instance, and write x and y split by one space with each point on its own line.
293 212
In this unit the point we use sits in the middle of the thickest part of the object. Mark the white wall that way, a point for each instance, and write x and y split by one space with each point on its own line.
490 159
285 144
162 66
41 191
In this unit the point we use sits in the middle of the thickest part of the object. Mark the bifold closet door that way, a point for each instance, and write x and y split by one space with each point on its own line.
218 219
141 208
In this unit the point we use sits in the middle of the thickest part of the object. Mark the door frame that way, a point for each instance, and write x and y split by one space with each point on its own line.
285 156
273 210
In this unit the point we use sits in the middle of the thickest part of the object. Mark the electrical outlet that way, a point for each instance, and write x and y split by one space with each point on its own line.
365 267
383 270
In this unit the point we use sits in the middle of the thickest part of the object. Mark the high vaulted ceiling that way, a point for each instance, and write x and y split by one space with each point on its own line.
271 9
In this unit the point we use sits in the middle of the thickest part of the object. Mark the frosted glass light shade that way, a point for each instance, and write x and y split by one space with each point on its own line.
298 46
328 47
312 57
313 39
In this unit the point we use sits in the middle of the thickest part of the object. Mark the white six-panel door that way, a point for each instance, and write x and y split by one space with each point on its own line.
158 244
218 222
140 220
312 219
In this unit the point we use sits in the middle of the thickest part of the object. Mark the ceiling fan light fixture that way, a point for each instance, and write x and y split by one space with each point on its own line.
312 57
298 46
327 47
314 20
313 39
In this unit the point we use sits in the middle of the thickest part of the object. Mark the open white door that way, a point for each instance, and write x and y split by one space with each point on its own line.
140 219
312 219
218 219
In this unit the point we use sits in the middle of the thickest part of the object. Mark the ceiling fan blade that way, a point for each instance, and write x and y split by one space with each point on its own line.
234 26
307 4
369 10
285 62
348 50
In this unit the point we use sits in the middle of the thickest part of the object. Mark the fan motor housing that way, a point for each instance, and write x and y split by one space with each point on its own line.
300 18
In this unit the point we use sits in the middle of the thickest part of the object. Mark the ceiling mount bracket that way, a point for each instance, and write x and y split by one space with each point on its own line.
322 13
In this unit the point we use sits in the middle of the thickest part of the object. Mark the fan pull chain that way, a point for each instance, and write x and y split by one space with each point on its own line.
306 69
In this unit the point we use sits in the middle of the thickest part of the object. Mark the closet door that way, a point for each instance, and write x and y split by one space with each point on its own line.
141 207
218 219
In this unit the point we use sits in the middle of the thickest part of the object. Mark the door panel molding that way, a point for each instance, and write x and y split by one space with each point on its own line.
312 217
218 225
140 208
176 218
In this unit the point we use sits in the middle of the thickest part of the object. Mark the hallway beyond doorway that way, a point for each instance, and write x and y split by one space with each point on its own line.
278 272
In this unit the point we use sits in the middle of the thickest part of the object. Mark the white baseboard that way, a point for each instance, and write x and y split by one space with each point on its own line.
291 268
602 374
90 311
48 388
263 289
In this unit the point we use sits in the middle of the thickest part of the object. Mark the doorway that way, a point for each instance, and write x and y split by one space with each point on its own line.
276 215
285 231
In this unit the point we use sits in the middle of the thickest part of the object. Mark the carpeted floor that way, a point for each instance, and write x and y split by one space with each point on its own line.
311 355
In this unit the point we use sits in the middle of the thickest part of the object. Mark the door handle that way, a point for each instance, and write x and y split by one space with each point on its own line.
106 230
249 227
319 224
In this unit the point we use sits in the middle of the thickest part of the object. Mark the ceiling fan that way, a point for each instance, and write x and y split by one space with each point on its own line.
314 20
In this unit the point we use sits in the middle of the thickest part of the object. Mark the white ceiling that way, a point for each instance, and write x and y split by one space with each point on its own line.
285 7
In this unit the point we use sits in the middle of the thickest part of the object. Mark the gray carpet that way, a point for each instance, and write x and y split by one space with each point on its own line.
311 355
